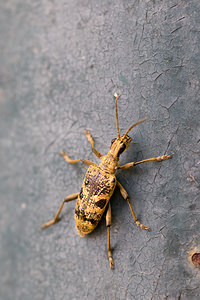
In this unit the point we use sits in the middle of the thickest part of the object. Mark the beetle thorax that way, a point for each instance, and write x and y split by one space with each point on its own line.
109 163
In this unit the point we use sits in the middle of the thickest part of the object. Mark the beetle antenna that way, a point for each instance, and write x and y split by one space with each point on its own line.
137 123
117 122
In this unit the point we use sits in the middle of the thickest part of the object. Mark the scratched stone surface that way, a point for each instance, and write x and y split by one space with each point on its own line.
61 63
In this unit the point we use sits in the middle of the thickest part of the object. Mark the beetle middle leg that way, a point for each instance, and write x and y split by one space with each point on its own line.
108 224
126 197
73 161
56 218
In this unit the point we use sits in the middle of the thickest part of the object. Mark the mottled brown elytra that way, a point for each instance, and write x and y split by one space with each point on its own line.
99 184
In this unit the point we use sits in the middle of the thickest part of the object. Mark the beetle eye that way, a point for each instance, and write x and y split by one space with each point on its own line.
113 141
122 148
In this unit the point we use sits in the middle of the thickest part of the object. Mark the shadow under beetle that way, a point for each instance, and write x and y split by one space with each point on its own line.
99 184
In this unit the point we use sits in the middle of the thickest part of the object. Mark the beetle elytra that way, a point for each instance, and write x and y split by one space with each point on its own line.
99 184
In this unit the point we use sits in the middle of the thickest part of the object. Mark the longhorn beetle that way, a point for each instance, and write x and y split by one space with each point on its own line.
99 184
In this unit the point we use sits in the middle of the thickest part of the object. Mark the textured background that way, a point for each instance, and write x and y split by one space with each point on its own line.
61 62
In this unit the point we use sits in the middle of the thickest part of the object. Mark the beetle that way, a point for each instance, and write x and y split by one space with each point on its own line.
99 184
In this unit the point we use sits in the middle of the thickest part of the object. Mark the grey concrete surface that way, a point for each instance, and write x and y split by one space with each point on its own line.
61 62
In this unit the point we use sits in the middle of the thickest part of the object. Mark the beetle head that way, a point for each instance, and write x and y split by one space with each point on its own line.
119 145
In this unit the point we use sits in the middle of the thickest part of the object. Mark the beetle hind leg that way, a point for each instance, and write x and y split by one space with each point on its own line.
56 218
108 224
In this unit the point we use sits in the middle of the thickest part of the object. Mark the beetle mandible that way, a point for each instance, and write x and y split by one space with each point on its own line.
99 184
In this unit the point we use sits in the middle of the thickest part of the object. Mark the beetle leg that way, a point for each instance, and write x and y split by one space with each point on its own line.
158 158
126 197
127 166
132 164
108 224
56 218
73 161
90 139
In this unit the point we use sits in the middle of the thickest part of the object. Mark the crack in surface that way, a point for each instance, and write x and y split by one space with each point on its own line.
49 145
168 107
168 145
158 279
167 70
174 30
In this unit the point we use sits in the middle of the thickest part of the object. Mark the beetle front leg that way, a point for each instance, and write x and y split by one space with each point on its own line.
108 224
90 139
56 218
158 158
126 197
132 164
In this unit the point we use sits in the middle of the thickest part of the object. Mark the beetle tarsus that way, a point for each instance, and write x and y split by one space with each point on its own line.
142 226
112 266
163 157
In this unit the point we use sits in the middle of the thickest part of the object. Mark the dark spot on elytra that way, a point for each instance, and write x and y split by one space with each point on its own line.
81 193
92 221
77 212
102 191
101 203
105 190
82 216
